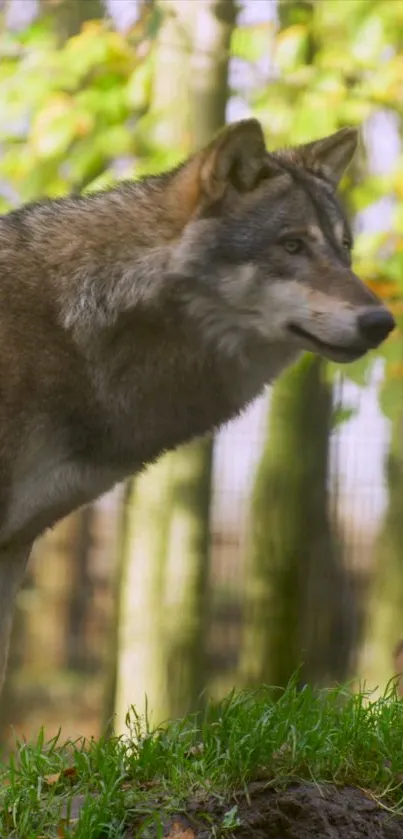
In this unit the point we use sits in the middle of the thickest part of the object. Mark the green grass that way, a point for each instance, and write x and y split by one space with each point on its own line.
310 735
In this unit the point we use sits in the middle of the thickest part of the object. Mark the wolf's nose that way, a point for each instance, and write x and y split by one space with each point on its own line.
375 325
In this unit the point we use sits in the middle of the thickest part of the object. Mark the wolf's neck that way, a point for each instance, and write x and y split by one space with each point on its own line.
174 385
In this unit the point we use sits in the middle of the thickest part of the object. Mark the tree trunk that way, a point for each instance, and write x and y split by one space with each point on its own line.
298 607
166 541
71 14
382 655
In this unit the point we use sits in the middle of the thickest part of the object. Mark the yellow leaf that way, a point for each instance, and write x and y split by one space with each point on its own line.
384 289
61 829
395 370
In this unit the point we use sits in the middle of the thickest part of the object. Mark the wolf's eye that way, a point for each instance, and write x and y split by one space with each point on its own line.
293 245
347 243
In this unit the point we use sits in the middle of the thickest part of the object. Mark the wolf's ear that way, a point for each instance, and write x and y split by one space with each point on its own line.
332 155
238 157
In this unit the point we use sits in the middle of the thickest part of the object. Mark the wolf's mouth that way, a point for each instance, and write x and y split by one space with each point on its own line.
333 351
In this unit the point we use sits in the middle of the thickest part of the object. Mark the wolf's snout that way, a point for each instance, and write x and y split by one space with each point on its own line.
375 325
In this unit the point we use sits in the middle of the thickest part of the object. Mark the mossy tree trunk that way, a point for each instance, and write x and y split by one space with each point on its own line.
166 540
299 607
382 644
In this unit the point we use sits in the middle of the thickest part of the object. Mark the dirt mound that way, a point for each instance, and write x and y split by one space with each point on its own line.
301 811
305 811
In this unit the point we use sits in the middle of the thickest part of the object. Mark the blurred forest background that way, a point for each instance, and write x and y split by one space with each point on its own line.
279 544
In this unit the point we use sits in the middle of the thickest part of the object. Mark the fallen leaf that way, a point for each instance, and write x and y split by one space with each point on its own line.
50 780
179 831
61 829
70 773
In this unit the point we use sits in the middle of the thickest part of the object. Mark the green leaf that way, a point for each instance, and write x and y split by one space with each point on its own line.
390 398
139 85
54 128
370 190
114 142
313 119
291 48
358 372
276 116
369 40
251 43
341 415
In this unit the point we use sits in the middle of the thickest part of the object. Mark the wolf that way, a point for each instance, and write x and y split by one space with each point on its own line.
135 319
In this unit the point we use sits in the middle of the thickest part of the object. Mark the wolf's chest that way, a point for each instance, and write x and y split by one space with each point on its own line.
46 488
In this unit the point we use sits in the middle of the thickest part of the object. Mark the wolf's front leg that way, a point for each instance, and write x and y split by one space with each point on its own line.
13 562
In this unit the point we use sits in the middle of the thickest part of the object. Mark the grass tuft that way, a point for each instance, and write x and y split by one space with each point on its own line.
88 789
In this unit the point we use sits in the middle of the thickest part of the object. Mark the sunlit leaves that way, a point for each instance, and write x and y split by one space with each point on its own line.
276 118
368 43
97 47
67 112
251 43
57 125
139 85
313 113
291 48
390 395
369 190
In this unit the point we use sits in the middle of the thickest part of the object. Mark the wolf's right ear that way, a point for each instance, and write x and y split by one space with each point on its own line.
237 156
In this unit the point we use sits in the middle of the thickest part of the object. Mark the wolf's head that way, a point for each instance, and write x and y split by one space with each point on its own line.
268 245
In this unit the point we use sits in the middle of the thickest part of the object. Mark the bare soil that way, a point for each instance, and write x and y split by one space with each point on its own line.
300 811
